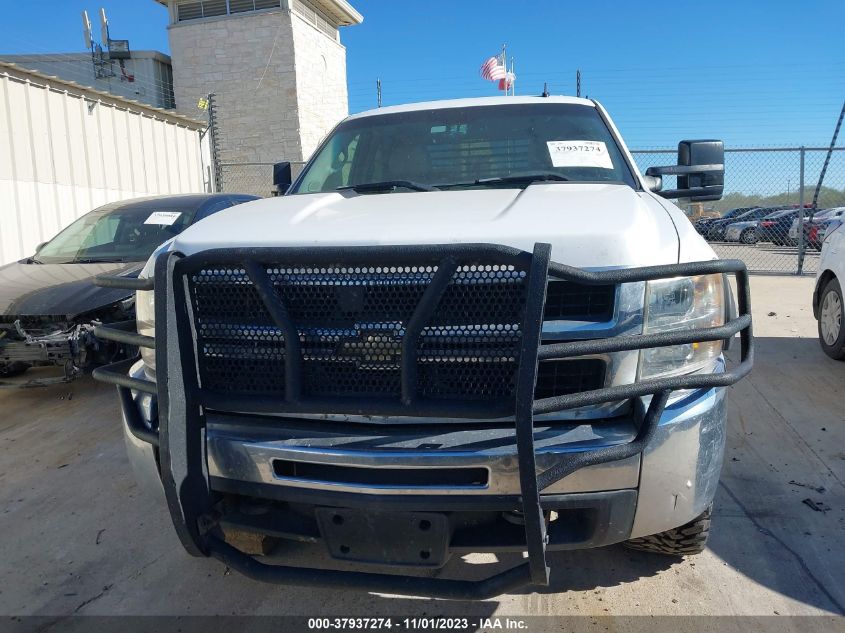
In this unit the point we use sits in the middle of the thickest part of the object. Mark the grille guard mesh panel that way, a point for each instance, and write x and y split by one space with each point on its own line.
352 323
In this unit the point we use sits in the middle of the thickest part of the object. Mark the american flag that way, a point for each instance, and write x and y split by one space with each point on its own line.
493 69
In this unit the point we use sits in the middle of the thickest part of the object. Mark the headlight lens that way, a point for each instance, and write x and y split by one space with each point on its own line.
682 304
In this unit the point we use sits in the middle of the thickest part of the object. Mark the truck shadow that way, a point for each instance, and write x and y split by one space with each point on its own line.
576 570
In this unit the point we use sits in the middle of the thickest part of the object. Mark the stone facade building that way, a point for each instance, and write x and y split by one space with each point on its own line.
276 67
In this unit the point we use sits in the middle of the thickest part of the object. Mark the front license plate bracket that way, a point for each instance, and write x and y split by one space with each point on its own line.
407 539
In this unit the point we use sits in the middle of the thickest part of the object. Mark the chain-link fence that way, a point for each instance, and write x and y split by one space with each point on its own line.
764 217
231 169
252 178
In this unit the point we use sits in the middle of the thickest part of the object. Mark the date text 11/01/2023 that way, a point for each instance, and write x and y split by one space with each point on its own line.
419 624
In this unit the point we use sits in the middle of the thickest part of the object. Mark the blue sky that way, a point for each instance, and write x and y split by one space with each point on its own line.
752 73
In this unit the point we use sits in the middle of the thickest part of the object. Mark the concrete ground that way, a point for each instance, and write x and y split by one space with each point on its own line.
767 257
78 537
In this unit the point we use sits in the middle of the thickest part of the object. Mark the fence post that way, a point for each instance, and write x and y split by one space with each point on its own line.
214 138
801 244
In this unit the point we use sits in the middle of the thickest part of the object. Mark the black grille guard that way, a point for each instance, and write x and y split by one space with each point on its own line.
181 399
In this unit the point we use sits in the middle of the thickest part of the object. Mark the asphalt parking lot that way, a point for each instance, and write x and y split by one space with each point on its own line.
768 257
78 537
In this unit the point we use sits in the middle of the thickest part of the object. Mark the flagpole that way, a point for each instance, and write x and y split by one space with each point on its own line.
513 83
505 66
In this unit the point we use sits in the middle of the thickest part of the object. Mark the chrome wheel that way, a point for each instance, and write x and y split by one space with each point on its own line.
830 317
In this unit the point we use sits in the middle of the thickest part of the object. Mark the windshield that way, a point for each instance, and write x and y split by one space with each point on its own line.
826 214
783 214
457 147
756 214
747 215
114 233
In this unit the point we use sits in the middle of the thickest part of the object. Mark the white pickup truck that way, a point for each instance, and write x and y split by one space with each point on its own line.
467 326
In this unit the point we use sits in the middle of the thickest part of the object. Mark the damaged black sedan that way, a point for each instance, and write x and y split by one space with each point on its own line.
49 305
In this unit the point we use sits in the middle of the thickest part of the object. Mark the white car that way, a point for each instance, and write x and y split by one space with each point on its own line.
827 298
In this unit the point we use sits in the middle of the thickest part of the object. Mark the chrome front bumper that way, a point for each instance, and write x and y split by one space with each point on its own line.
675 478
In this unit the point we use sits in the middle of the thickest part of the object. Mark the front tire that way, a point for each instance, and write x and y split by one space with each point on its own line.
749 236
831 332
687 540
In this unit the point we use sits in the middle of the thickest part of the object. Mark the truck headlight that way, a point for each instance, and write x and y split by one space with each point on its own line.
684 303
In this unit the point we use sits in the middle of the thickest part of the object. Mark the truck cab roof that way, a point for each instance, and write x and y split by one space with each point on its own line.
471 102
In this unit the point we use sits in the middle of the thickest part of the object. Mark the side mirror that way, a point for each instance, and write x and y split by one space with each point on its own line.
700 171
282 178
653 183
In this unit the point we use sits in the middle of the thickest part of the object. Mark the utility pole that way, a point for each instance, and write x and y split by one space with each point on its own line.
378 91
578 83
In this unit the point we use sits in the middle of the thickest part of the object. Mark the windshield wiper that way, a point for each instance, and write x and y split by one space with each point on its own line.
387 185
99 260
521 179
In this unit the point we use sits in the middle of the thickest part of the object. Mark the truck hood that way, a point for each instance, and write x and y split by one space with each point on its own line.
588 225
58 289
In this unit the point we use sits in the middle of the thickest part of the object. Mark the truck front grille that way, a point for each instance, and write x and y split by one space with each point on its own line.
567 300
351 323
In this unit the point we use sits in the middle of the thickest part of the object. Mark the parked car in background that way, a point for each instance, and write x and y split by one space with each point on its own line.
745 232
702 224
815 235
827 298
716 229
743 229
816 225
49 304
775 227
809 216
830 223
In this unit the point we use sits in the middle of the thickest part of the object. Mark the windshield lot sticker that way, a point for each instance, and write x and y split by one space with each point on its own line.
579 154
165 218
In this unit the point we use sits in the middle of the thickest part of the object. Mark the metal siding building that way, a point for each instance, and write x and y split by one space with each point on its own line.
66 149
150 71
